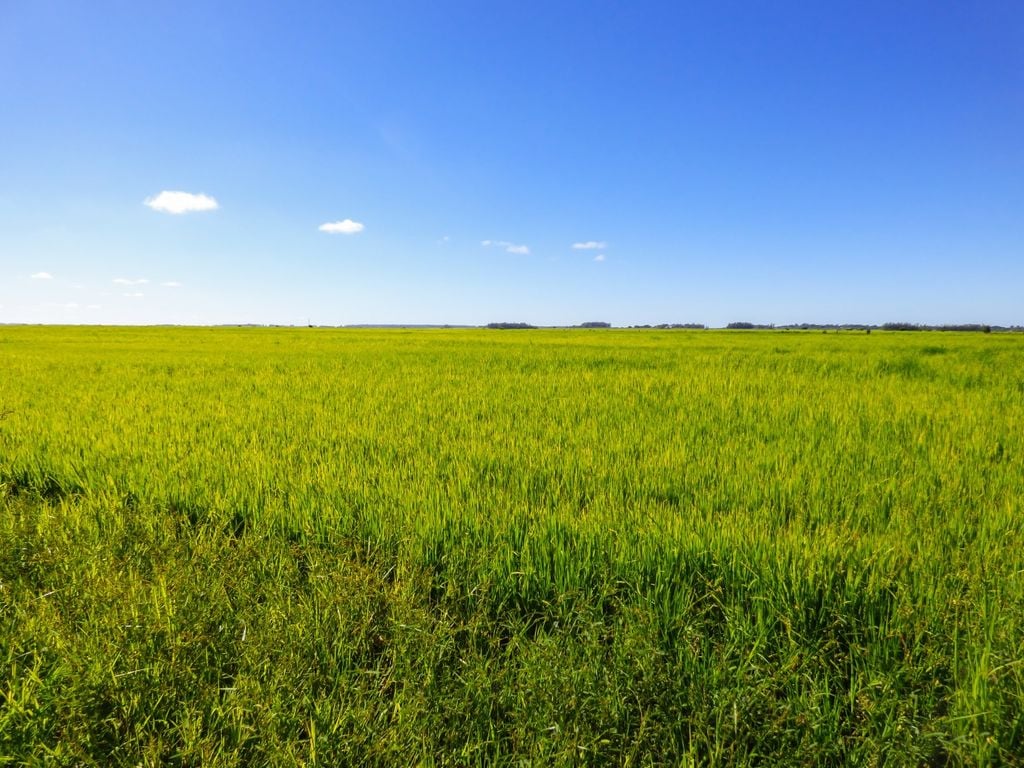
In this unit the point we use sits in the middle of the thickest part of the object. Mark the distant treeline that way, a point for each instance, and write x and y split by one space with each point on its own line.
828 327
970 327
977 327
745 326
672 326
522 326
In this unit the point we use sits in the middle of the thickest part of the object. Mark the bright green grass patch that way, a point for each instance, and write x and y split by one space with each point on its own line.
299 546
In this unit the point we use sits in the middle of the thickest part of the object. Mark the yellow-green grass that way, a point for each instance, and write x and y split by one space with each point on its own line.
312 546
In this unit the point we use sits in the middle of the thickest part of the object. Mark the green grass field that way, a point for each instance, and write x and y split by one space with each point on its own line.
363 547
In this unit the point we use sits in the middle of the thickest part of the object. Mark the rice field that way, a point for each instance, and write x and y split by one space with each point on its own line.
255 546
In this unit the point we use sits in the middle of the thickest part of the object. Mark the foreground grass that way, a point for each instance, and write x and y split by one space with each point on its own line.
290 547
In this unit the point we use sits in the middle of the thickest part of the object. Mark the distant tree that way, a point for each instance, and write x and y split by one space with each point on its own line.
595 324
510 326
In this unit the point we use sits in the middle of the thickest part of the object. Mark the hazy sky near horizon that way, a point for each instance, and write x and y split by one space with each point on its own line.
469 162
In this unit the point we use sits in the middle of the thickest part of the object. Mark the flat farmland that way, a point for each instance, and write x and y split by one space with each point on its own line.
242 546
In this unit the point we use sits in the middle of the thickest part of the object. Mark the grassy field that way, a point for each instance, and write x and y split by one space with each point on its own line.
359 547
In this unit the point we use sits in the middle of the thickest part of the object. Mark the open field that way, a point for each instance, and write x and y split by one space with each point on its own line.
330 547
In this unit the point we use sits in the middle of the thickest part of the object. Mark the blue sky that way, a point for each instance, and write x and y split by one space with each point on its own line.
761 161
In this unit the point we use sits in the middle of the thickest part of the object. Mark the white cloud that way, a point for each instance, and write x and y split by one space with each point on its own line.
522 250
181 202
344 227
599 257
41 276
93 306
171 284
135 295
126 281
590 245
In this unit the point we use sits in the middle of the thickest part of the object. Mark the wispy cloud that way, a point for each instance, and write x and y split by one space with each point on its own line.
171 284
41 276
522 250
181 202
599 257
590 245
133 295
343 227
127 281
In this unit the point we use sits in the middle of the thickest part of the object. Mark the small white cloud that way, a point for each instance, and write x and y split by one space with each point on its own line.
126 281
93 306
181 202
344 227
41 276
171 284
134 295
590 245
444 239
599 257
522 250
